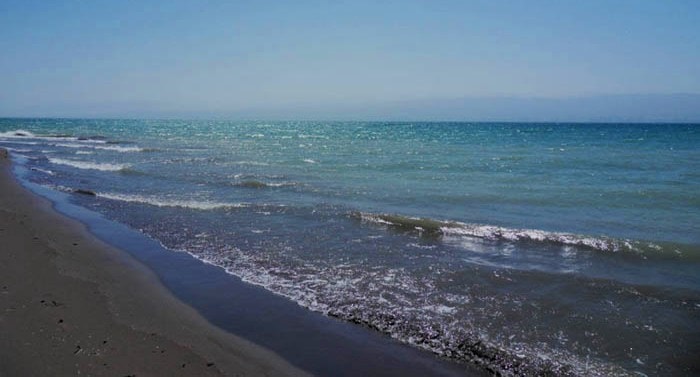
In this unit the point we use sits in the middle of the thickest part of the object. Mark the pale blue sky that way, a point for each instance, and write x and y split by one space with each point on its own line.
300 58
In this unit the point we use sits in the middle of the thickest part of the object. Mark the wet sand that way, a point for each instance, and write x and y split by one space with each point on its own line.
72 305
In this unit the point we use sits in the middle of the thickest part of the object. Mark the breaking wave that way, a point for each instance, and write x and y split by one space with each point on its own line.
18 150
439 228
167 202
24 134
438 324
89 165
260 185
114 148
17 134
45 171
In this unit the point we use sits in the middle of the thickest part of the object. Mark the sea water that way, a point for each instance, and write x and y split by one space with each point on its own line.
524 248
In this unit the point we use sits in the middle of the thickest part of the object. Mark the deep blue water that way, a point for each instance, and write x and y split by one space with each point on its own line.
527 247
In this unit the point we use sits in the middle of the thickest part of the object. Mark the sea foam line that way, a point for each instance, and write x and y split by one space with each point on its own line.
166 202
491 232
89 165
333 291
259 184
101 147
17 134
24 134
45 171
157 201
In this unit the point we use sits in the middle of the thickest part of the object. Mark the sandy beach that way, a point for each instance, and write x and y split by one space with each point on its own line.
71 305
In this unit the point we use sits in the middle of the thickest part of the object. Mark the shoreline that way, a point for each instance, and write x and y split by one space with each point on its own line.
72 304
239 328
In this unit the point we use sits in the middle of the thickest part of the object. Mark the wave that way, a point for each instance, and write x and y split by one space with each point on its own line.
260 185
18 150
13 141
102 147
251 163
17 133
189 160
24 134
256 176
45 171
89 165
167 202
437 324
440 228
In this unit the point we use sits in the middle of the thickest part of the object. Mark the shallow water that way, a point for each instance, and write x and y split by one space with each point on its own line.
528 248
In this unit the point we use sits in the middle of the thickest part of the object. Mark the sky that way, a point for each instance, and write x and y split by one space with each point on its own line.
452 60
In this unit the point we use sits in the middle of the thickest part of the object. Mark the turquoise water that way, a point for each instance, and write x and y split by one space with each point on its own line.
571 248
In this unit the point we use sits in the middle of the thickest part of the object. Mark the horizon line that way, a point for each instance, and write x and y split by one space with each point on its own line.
689 122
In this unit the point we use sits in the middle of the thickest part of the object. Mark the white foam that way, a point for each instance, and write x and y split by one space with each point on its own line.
89 165
374 219
280 184
419 246
168 202
100 147
251 163
20 142
310 161
491 232
118 148
17 134
48 172
58 188
353 292
24 134
495 232
18 150
305 136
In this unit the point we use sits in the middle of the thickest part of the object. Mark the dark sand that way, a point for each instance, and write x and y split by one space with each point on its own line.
72 305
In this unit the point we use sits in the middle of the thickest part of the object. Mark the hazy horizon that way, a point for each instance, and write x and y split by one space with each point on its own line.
412 60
